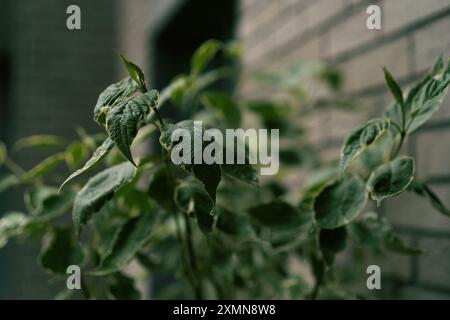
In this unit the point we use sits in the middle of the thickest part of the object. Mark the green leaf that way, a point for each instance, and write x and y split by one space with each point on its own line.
429 98
76 153
107 234
192 199
8 181
393 86
133 236
38 141
123 121
208 175
332 242
121 287
224 105
135 73
277 215
375 231
370 230
423 190
98 154
59 251
44 203
98 190
3 153
111 96
203 55
359 139
43 168
11 225
232 223
395 244
162 187
244 172
391 178
340 203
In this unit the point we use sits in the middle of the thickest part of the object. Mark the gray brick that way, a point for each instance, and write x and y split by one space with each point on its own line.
434 264
427 49
399 13
366 70
433 153
411 210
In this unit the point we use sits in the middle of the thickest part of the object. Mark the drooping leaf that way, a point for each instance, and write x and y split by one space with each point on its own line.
59 251
123 121
98 190
429 98
11 225
391 178
133 236
43 168
374 231
332 242
98 154
423 190
277 215
208 174
38 141
340 203
203 55
224 105
393 86
111 96
192 199
360 138
135 73
243 172
121 287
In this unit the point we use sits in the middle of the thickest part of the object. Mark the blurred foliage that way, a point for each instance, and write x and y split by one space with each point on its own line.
215 229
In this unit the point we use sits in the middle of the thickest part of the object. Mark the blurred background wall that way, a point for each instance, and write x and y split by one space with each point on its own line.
50 78
275 34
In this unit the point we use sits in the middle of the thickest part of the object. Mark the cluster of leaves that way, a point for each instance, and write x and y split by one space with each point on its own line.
215 231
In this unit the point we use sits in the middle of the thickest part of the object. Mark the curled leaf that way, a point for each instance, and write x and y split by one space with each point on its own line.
123 121
359 139
98 154
112 95
391 178
340 203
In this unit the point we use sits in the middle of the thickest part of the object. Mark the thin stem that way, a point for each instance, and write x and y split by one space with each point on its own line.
192 256
186 246
399 146
11 165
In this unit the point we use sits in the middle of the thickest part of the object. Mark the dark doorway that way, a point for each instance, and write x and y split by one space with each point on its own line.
194 22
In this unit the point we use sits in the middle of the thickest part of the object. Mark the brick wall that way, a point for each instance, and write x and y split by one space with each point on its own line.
276 33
